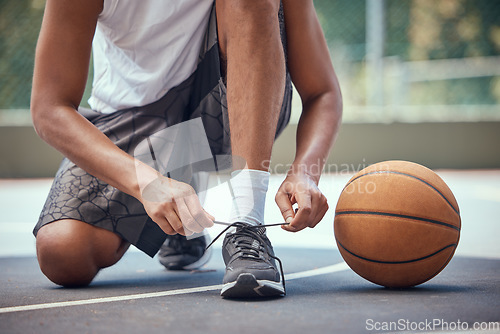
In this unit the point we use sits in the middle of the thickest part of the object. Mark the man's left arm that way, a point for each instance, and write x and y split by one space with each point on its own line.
315 79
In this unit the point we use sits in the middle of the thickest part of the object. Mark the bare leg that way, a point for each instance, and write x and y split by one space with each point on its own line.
250 43
71 252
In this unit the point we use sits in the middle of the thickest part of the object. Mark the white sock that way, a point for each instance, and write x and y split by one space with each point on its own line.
248 190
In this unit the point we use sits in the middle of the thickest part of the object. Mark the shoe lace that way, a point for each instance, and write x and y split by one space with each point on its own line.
242 236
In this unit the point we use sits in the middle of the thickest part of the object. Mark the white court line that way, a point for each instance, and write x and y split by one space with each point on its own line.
302 274
318 271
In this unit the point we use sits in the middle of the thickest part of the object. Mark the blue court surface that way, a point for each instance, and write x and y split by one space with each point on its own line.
138 295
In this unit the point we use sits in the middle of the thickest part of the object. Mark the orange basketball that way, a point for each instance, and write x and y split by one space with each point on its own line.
397 224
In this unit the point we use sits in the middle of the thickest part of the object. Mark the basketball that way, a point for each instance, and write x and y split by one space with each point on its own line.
397 224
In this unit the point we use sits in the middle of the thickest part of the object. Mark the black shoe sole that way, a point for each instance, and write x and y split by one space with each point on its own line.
247 286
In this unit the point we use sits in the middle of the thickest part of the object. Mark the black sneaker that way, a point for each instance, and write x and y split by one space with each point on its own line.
250 264
180 253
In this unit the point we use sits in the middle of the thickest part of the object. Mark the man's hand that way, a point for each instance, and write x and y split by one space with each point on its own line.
175 207
302 190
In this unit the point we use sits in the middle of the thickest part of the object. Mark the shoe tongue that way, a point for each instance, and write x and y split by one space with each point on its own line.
256 228
260 230
253 243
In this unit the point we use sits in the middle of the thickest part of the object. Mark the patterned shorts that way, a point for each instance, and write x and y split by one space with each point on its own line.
77 195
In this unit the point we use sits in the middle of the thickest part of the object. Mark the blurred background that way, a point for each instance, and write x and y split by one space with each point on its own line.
420 81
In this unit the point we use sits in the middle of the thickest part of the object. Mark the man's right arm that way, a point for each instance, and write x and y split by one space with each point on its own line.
61 68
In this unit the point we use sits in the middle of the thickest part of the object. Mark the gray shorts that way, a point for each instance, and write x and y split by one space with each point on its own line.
77 195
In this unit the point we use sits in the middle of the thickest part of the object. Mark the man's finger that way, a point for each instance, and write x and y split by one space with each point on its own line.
290 228
165 226
283 202
323 210
212 218
319 216
187 219
199 214
317 206
174 221
303 215
304 203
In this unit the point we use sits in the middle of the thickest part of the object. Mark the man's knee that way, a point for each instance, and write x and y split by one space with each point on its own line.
67 253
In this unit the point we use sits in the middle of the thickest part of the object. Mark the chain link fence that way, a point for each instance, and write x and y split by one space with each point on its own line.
20 22
397 60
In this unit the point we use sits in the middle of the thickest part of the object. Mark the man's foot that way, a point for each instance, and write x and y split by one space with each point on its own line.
250 264
180 253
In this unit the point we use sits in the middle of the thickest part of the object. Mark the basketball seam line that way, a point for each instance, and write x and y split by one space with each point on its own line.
337 213
445 264
412 176
396 262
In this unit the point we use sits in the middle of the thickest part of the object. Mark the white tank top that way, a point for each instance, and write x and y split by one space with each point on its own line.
143 48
